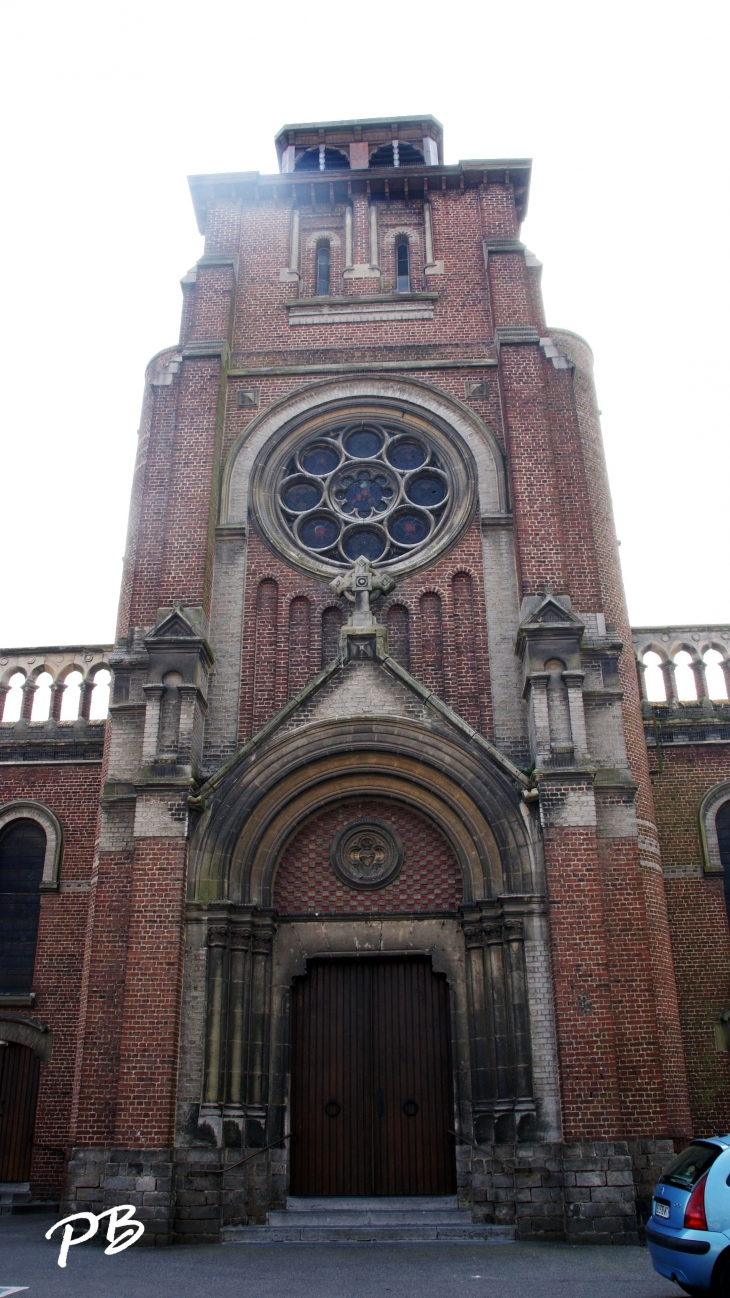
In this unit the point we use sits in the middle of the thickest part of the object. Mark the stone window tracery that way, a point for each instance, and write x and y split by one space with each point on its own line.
363 487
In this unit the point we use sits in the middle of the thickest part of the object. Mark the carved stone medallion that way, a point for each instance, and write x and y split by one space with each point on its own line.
367 854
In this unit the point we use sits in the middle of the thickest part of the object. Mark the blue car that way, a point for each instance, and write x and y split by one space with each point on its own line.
688 1233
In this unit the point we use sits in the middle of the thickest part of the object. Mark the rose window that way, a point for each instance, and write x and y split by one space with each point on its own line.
364 489
376 482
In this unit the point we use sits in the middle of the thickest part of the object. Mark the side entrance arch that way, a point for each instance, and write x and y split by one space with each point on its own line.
371 1084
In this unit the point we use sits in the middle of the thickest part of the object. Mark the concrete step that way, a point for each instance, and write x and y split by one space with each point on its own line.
393 1219
374 1234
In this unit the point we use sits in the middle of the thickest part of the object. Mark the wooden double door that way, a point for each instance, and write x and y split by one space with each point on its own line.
19 1076
371 1080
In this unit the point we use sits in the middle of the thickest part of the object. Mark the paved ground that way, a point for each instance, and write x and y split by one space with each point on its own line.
324 1271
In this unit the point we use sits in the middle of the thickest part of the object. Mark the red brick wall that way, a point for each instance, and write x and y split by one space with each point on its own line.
429 880
71 791
698 923
441 602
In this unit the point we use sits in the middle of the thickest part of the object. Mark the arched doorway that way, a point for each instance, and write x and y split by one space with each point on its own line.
372 1099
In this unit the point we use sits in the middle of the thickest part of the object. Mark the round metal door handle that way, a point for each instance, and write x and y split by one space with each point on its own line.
332 1109
410 1108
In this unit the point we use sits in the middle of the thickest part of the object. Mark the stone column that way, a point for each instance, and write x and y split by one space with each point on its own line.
494 968
481 1040
374 257
294 241
256 1106
539 719
348 236
514 951
153 694
428 232
4 691
239 1006
189 695
217 996
573 682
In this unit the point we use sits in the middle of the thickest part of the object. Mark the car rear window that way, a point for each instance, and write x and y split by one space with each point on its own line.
686 1169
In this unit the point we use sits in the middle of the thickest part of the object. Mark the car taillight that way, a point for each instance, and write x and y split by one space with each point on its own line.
694 1213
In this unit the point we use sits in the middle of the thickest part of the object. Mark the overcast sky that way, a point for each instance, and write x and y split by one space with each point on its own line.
108 109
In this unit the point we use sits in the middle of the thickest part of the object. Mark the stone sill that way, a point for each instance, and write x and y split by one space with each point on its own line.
361 308
19 1000
355 299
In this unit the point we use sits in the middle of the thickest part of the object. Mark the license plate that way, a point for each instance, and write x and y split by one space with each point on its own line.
661 1209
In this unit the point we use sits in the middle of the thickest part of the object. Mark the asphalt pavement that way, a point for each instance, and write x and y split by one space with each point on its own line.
322 1270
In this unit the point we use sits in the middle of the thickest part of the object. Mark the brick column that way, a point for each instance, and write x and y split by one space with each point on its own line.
26 709
57 692
586 1041
670 683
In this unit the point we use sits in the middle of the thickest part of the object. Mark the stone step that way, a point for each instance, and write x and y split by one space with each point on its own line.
381 1217
374 1234
370 1203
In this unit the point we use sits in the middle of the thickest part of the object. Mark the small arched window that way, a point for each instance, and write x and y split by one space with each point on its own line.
323 270
100 696
716 687
22 853
42 697
654 678
722 825
684 676
402 267
14 698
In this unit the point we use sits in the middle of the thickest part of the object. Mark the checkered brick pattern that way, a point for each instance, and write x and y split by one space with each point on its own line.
430 879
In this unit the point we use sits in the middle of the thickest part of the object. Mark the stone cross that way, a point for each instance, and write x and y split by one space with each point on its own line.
361 584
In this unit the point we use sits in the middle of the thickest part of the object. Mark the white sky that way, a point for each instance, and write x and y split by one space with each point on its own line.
108 108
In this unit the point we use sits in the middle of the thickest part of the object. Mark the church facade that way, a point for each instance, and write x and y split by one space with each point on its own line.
383 876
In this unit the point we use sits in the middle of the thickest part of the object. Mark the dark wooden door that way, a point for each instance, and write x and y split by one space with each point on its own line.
371 1080
19 1073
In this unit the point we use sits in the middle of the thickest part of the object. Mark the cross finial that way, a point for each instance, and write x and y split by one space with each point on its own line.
361 584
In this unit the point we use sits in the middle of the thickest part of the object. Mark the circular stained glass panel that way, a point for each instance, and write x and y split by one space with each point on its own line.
363 443
320 532
301 496
363 492
427 489
319 460
406 453
364 543
409 528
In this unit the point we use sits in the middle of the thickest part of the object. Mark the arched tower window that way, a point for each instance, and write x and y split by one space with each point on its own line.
402 267
323 270
722 825
22 853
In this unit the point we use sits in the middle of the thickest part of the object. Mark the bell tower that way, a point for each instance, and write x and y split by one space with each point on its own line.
375 739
